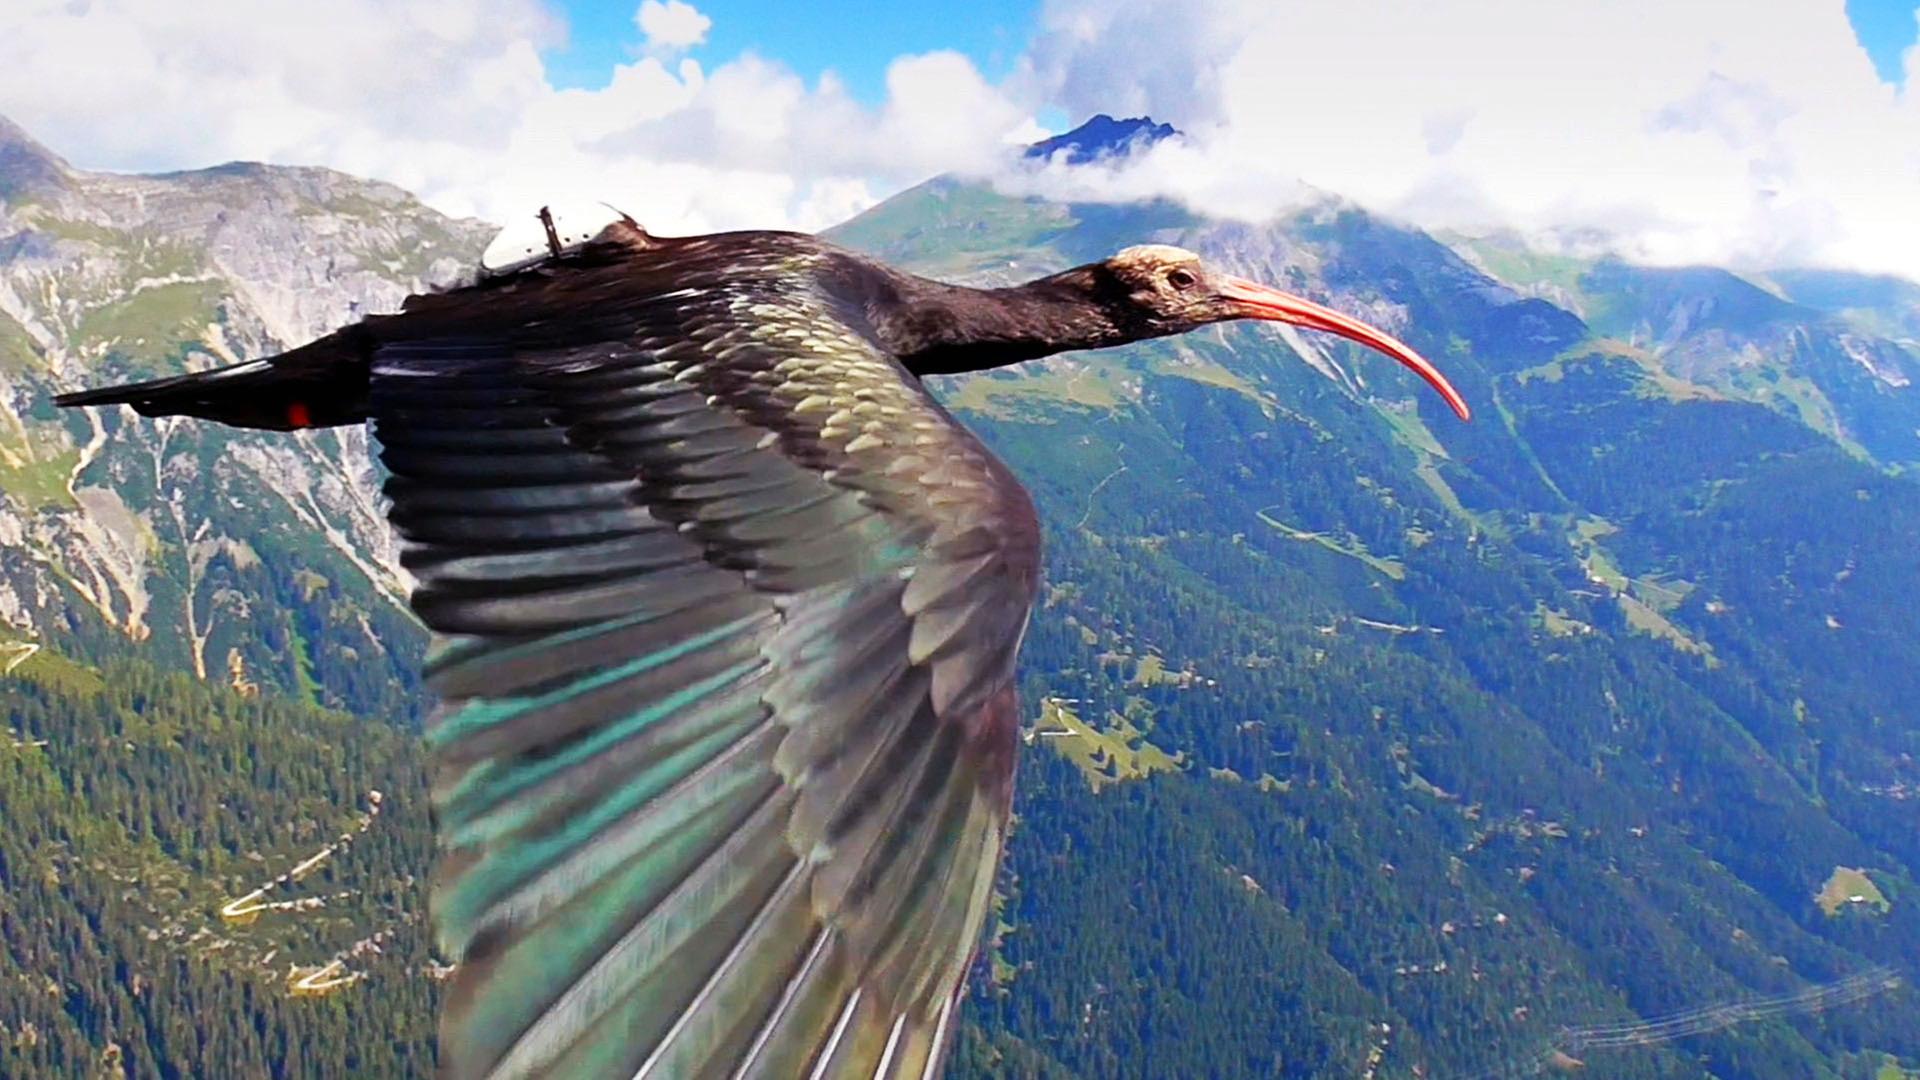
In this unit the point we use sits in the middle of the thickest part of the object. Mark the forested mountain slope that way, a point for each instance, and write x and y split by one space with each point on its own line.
1488 732
1362 742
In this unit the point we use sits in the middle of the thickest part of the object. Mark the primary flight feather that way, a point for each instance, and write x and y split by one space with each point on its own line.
726 610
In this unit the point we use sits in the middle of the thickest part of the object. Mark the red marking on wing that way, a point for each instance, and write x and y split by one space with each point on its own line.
299 416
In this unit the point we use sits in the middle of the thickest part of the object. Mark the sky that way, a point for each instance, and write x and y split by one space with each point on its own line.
1751 133
811 38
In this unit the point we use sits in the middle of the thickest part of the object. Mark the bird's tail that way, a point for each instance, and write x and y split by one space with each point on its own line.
319 384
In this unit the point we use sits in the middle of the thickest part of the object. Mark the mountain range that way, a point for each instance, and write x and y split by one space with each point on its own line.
1360 742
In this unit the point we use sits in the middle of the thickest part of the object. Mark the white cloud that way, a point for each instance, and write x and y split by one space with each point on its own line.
671 26
159 84
1739 132
1714 130
450 99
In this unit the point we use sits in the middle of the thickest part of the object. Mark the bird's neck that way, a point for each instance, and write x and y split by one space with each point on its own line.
940 329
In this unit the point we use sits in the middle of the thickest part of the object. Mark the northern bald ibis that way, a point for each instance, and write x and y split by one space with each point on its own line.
726 607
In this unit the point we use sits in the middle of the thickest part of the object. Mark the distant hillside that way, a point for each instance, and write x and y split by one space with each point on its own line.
1837 352
1876 303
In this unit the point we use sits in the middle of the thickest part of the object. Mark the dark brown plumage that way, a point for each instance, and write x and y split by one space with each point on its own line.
728 610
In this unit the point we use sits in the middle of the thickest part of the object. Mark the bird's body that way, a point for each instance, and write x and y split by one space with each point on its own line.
727 608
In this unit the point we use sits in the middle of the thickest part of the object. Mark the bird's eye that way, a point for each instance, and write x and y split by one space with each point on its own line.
1181 279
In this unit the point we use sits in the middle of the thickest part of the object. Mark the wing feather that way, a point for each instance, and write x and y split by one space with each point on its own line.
729 609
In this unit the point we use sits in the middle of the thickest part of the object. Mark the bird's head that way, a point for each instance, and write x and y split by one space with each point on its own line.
1155 290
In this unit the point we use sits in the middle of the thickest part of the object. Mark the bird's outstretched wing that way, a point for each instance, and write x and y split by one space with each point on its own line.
729 610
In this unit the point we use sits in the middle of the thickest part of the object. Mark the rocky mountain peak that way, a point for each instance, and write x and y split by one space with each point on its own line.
25 165
1103 136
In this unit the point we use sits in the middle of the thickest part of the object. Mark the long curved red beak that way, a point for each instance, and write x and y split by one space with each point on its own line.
1257 301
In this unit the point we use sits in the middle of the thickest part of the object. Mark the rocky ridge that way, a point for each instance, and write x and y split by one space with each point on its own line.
122 528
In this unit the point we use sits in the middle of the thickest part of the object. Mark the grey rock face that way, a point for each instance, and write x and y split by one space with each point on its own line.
123 530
